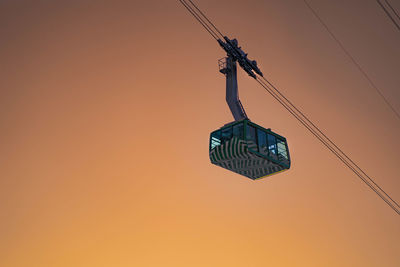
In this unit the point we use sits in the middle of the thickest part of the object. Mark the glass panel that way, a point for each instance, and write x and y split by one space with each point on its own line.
282 149
251 133
226 134
215 139
262 142
272 143
238 131
251 136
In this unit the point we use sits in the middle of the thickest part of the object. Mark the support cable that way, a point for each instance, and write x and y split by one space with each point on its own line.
394 11
328 143
352 59
303 119
199 19
327 138
388 13
222 36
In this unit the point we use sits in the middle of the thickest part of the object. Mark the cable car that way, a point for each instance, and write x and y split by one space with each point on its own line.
243 146
249 149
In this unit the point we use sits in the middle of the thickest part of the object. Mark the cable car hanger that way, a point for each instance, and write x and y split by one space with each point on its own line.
242 150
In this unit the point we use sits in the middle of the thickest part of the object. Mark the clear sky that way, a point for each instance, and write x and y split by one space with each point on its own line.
105 113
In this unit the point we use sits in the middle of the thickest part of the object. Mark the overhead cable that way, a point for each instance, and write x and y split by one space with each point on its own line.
328 143
207 19
199 19
353 60
303 119
388 13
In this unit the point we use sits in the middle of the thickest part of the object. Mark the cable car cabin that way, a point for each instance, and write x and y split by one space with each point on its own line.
248 149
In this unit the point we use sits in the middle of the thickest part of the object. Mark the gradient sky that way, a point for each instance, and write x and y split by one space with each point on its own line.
105 113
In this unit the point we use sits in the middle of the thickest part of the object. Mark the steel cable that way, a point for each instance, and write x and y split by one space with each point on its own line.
352 59
303 119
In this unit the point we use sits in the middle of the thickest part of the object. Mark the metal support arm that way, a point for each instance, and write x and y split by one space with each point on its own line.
232 96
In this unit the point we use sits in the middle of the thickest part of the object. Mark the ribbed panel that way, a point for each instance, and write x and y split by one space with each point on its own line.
234 155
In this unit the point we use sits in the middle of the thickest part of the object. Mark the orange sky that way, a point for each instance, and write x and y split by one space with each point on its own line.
105 113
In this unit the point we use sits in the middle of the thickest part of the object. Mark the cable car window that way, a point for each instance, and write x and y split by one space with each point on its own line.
282 149
272 143
238 131
262 141
251 133
251 136
215 139
226 134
